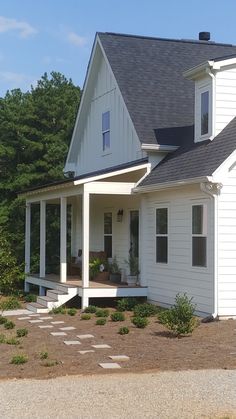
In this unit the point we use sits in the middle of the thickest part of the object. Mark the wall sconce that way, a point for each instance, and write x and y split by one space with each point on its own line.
119 216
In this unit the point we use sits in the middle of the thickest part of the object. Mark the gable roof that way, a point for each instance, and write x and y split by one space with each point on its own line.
193 160
149 72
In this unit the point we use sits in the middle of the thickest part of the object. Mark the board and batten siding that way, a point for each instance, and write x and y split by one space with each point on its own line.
177 276
227 246
125 145
225 98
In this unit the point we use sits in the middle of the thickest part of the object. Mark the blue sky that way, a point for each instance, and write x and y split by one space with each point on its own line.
38 36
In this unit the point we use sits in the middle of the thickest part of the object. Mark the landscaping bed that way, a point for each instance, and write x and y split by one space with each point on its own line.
212 345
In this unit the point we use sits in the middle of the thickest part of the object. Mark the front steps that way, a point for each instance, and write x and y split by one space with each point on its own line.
54 298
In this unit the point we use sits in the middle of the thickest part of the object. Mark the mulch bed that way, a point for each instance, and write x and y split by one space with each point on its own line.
152 348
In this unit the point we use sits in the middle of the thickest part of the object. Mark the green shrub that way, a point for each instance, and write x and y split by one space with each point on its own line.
90 309
58 310
85 316
140 322
101 321
43 355
12 341
9 325
123 330
19 359
30 298
102 312
3 320
126 304
50 363
117 316
20 333
180 318
11 303
2 338
71 311
145 310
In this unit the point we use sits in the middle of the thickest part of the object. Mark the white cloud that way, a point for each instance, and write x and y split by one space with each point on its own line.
11 80
24 29
78 41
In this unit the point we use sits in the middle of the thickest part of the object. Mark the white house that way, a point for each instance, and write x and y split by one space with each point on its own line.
154 145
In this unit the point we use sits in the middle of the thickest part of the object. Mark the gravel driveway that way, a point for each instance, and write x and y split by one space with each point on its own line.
185 394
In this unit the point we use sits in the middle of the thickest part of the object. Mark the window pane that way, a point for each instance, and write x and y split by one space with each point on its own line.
106 140
108 223
161 249
197 219
108 246
204 112
106 121
161 221
199 251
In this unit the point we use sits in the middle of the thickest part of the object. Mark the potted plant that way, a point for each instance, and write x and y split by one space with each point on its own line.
132 262
95 268
115 272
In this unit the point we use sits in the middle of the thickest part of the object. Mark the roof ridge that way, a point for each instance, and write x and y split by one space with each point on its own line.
189 41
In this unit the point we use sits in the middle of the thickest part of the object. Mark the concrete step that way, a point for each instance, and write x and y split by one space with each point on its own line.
37 308
55 294
45 300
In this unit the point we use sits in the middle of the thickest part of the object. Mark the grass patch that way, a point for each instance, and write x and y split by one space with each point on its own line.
20 333
11 303
12 341
9 325
3 320
102 312
101 321
85 316
43 355
2 338
50 363
19 359
117 316
123 330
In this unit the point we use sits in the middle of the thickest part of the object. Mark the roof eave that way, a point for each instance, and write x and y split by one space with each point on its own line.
172 184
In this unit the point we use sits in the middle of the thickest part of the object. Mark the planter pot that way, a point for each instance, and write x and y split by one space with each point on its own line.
131 279
115 278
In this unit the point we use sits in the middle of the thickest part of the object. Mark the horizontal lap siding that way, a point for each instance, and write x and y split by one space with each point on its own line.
178 276
225 108
227 246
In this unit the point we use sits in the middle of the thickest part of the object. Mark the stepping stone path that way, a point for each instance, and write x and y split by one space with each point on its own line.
67 328
103 346
109 365
58 333
72 342
34 315
35 321
46 318
119 358
85 337
48 326
86 352
23 318
58 322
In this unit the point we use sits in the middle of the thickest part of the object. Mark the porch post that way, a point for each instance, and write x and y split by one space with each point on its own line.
27 237
42 239
63 240
85 251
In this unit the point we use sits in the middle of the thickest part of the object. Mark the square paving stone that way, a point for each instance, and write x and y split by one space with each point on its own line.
23 318
67 328
109 365
86 352
103 346
72 342
45 318
85 336
119 357
58 333
46 326
58 322
35 321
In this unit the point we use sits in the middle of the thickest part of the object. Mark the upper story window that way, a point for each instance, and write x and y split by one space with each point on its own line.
205 113
203 109
106 131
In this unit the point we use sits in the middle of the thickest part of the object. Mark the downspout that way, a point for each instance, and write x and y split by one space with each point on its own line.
213 190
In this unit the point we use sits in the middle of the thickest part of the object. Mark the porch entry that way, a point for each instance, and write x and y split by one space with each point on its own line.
134 232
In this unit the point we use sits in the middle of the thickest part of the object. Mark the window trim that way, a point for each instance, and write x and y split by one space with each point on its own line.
203 234
106 150
108 234
201 87
204 91
164 206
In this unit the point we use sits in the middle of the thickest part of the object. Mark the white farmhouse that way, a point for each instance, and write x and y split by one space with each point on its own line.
152 171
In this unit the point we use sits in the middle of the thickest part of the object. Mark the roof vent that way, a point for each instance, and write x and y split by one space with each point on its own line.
204 36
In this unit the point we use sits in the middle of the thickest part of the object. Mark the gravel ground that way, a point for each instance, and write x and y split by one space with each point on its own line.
185 394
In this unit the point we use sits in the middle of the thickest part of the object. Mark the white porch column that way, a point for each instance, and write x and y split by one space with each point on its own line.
42 239
63 240
27 237
85 249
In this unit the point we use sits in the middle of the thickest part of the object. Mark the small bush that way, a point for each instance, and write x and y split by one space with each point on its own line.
140 322
85 316
126 304
145 310
2 338
117 316
51 363
123 330
102 313
30 298
9 325
21 332
90 309
43 355
3 320
10 303
12 341
71 311
180 318
58 310
19 359
101 321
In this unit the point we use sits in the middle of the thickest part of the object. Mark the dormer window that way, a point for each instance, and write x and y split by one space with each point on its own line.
106 131
203 109
205 112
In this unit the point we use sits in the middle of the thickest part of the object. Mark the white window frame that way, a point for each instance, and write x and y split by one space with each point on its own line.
202 86
203 234
162 235
106 149
108 234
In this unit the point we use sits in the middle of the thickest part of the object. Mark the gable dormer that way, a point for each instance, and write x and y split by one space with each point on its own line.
215 96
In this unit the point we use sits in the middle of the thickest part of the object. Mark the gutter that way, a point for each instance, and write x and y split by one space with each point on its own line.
173 184
159 148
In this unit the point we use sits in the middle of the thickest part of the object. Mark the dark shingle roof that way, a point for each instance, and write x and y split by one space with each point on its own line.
149 72
195 160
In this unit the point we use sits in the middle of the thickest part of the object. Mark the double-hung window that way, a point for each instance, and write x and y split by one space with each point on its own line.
199 235
205 113
108 234
162 235
106 131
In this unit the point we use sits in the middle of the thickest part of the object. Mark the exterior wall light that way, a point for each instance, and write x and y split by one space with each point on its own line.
119 216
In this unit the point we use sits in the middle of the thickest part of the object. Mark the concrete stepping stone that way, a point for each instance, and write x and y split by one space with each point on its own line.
58 322
86 352
23 318
72 342
35 321
119 358
109 365
58 333
34 315
67 328
232 353
46 326
103 346
85 336
45 318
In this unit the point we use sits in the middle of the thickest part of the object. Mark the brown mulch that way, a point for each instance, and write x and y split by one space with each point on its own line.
152 348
